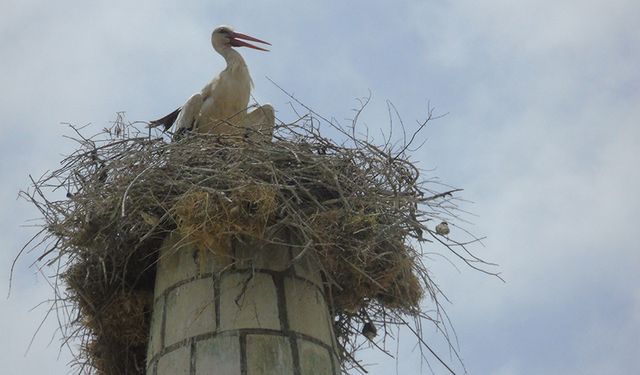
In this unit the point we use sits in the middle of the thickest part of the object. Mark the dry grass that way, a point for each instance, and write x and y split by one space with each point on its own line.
362 208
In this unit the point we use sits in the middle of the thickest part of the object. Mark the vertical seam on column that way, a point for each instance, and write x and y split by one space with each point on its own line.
192 349
278 281
332 334
295 355
216 298
243 353
163 323
283 314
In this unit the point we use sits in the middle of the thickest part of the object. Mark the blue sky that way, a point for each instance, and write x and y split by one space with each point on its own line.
542 133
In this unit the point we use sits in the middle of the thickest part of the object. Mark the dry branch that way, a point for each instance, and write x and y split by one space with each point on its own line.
362 209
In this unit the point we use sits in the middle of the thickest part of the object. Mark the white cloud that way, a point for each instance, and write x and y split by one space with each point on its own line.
19 327
542 134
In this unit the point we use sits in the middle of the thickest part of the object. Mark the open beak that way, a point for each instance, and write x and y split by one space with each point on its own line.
236 42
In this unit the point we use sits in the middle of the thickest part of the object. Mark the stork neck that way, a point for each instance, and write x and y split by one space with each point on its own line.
233 58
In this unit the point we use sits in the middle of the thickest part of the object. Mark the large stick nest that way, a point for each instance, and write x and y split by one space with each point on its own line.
363 209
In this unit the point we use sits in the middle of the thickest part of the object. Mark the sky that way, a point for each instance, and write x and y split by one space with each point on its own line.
541 131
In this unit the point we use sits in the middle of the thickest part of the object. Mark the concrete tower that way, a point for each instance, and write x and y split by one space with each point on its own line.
250 311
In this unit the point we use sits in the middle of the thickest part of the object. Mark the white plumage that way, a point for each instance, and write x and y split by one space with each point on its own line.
221 106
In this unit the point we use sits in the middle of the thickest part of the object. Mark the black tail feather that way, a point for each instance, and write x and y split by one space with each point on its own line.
167 121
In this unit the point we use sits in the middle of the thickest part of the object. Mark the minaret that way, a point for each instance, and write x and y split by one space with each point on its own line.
254 308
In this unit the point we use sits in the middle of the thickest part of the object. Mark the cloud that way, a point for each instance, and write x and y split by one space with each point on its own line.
541 134
19 326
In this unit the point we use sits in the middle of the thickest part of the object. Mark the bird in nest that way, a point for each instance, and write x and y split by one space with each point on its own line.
369 330
221 106
442 228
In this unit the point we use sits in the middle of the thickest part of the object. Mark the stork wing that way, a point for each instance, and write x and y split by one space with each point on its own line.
190 113
167 121
184 117
259 123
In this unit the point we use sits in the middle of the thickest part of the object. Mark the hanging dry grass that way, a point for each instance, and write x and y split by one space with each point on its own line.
363 208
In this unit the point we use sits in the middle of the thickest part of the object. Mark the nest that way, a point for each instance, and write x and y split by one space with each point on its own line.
363 209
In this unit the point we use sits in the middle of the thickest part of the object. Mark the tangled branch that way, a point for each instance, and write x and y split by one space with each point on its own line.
363 211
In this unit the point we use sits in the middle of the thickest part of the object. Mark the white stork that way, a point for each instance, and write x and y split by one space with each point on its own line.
221 106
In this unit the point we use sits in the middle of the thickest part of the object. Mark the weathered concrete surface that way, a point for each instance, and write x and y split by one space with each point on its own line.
252 313
308 312
176 362
155 342
218 355
189 311
268 355
177 263
248 301
314 359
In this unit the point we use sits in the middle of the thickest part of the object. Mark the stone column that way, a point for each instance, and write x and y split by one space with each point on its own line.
250 313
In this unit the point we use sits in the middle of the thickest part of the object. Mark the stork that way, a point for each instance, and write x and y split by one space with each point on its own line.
221 106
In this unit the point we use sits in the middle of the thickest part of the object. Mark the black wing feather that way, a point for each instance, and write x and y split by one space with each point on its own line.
167 121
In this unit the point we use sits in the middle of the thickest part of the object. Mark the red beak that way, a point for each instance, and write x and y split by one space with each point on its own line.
235 42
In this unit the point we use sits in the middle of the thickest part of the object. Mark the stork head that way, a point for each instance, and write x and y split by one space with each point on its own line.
223 37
